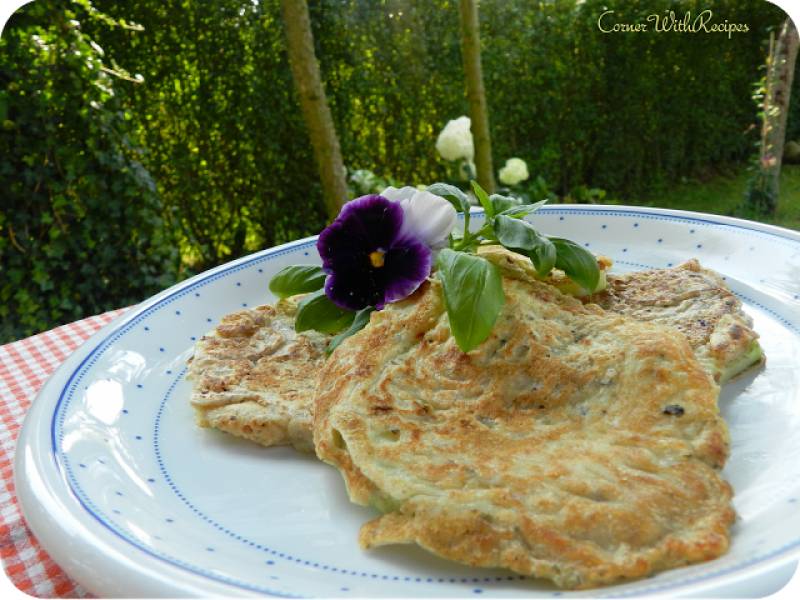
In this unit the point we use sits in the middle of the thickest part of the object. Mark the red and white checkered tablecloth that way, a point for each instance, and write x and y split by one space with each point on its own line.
24 367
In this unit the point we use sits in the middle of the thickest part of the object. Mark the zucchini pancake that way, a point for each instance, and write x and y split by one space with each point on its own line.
697 303
574 444
694 300
250 376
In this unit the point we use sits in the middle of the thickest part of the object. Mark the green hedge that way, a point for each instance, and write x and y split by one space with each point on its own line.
81 224
225 163
629 113
626 112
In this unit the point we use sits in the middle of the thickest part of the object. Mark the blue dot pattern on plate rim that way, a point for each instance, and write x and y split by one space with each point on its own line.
57 423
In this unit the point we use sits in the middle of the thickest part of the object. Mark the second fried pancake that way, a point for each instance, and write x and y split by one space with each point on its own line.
573 444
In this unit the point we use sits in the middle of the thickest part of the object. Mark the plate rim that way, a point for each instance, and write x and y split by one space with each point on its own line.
23 461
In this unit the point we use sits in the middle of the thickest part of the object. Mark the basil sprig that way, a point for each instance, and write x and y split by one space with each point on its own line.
473 290
316 311
505 226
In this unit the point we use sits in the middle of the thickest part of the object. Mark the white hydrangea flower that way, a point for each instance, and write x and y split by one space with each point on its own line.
514 171
455 140
428 217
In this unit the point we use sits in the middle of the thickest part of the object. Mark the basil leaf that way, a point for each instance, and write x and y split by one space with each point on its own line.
544 258
503 203
517 212
452 194
516 233
297 279
578 263
473 296
483 198
521 237
359 322
316 311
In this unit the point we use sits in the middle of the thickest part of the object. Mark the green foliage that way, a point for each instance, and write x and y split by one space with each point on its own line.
626 112
582 194
393 81
722 195
80 224
362 182
534 189
793 121
225 138
760 197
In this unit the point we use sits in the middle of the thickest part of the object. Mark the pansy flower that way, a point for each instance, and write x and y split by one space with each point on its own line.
380 247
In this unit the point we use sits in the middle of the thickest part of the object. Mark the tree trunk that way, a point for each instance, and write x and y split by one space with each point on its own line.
780 73
478 113
317 114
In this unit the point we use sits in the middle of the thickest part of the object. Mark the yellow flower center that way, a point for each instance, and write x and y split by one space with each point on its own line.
376 258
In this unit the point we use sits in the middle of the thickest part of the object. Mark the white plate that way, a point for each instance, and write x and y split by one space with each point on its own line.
131 498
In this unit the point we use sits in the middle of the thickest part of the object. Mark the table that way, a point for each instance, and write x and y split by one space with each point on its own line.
24 367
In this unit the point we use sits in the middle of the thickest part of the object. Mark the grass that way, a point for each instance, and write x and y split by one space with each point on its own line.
722 194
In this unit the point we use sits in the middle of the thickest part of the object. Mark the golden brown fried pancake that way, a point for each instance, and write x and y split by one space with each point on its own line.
574 444
694 300
254 376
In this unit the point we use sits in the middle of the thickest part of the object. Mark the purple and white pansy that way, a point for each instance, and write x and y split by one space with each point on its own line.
381 247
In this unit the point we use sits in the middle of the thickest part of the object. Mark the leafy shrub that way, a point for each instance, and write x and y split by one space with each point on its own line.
79 217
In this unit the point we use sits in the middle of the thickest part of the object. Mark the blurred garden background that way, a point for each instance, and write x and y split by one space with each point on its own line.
143 142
